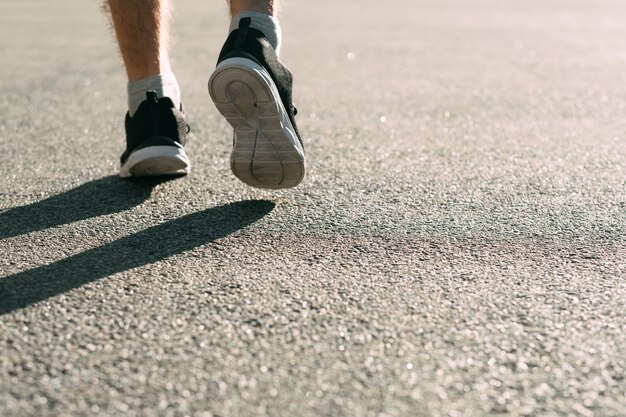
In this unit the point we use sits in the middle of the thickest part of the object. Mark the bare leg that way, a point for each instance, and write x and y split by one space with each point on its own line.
269 7
142 30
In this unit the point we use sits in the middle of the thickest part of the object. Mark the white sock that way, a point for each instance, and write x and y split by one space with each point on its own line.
265 23
165 85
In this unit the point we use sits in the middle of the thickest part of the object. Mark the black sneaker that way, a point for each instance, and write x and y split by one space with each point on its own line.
252 89
155 140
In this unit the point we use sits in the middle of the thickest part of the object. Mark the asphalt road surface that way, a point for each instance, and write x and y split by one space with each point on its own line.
458 247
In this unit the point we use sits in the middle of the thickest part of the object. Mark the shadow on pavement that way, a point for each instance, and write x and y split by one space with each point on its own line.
142 248
106 195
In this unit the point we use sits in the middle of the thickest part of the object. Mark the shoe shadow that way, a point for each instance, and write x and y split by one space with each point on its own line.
142 248
106 195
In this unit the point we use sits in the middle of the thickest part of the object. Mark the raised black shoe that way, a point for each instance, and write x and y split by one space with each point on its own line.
155 140
252 90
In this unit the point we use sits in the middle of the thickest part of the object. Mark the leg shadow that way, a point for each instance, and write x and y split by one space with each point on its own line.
148 246
106 195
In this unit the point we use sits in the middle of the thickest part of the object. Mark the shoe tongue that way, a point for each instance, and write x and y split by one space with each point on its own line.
153 101
151 96
244 25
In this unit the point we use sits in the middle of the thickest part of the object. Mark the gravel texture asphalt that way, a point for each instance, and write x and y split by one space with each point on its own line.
458 247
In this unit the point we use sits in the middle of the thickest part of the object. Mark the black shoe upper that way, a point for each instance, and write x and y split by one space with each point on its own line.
250 43
155 123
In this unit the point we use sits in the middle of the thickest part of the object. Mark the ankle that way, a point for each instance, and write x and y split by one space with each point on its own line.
267 24
165 85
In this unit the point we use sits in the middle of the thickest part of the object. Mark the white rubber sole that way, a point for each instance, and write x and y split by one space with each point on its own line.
266 150
156 161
